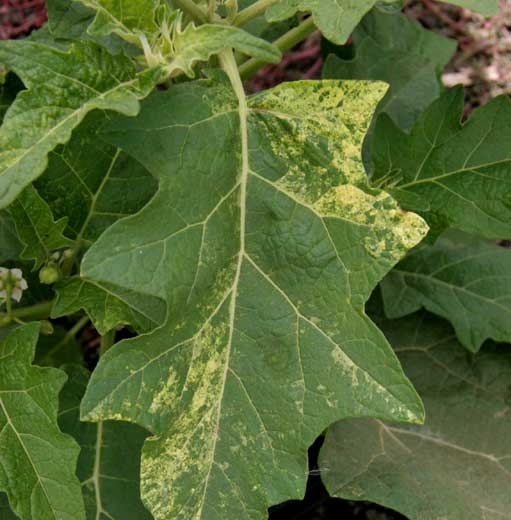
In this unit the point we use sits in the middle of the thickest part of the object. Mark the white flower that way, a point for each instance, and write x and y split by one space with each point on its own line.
12 279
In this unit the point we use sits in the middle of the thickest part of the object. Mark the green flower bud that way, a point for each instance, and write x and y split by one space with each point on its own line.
49 274
46 328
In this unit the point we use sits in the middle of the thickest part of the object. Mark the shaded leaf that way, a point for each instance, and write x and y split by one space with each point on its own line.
8 91
58 348
109 463
269 244
68 19
5 511
454 175
108 306
93 183
62 88
463 279
37 459
456 466
36 227
10 246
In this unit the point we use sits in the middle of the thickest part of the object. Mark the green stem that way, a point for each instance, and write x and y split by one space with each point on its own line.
38 311
284 43
106 341
75 329
71 334
8 304
253 11
190 8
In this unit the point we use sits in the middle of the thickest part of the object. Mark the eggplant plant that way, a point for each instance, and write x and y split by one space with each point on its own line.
225 247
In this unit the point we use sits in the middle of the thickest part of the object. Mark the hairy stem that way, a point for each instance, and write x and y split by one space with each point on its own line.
253 11
190 8
284 43
106 341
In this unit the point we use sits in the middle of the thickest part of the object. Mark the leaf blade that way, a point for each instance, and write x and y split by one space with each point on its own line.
108 466
454 175
412 469
460 278
32 128
234 312
38 460
108 306
36 227
399 51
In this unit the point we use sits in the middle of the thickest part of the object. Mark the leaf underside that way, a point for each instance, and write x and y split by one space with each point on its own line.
270 243
456 466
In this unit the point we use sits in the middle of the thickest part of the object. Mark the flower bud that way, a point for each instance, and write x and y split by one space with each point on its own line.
46 328
49 274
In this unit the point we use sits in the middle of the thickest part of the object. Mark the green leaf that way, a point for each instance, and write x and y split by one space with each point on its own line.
109 465
463 279
108 306
68 19
93 183
10 246
37 459
58 348
454 175
336 19
8 91
126 19
456 466
36 228
485 7
5 511
62 88
395 49
200 43
270 242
